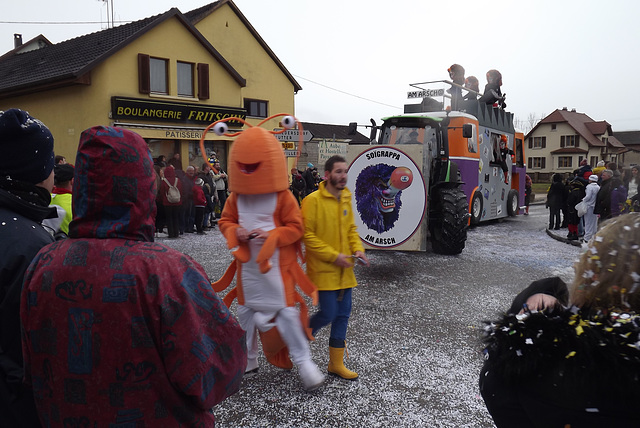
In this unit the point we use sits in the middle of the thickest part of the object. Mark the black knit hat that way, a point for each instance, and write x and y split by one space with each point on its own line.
26 145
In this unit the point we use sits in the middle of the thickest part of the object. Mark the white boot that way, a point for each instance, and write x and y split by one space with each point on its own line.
310 375
252 367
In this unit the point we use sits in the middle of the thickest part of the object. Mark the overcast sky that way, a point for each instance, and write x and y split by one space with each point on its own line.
356 59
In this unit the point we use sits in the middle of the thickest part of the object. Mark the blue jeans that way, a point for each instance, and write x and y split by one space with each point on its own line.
335 309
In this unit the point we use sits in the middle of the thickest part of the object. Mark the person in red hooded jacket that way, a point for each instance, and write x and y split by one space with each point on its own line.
199 203
119 330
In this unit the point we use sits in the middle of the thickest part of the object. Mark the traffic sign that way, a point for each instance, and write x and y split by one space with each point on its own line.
294 135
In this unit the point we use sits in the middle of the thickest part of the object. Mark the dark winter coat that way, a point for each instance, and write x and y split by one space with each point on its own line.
21 237
576 193
556 195
492 94
581 174
309 180
209 189
119 328
562 369
298 185
612 193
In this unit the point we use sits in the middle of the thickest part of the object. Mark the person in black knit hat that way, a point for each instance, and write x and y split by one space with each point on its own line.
26 182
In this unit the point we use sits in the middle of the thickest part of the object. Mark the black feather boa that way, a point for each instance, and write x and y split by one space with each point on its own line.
600 349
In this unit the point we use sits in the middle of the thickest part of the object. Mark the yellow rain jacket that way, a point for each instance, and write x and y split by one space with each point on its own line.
329 229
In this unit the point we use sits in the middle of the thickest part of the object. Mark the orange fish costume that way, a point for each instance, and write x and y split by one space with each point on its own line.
262 220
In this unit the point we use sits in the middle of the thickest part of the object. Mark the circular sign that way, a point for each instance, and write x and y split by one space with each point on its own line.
388 196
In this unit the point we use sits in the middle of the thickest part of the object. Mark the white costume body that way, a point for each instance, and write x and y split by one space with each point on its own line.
264 299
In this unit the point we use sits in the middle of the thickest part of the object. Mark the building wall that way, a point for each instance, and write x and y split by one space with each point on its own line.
553 138
70 110
265 80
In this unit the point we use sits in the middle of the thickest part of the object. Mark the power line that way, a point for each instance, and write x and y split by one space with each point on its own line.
58 22
346 93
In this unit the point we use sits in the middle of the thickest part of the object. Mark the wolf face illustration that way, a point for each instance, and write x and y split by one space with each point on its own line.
378 191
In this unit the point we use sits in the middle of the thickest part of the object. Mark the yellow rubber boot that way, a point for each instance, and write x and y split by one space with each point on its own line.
336 364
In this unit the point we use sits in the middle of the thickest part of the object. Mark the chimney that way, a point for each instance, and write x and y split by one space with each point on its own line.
17 40
564 108
573 110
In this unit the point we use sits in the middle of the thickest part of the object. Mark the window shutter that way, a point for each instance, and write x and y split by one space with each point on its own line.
144 75
529 162
577 141
544 162
544 142
530 143
562 141
203 81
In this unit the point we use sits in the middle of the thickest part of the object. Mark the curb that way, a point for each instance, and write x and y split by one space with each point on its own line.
565 240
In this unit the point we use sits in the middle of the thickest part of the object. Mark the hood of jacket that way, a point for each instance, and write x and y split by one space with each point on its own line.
567 344
114 186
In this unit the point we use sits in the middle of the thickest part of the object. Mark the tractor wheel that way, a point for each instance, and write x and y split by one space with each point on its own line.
513 202
476 208
449 218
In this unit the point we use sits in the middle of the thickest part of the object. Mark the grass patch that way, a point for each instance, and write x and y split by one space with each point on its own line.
540 188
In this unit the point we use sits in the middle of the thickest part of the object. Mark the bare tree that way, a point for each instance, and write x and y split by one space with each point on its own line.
529 123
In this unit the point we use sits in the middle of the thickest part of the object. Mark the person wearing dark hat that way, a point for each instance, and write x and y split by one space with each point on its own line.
61 195
26 182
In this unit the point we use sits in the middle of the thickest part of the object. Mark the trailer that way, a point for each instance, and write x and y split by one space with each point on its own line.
431 172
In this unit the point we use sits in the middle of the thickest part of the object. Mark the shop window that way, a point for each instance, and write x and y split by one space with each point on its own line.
185 79
256 108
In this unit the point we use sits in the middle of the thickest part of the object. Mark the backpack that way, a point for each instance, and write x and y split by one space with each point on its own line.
173 194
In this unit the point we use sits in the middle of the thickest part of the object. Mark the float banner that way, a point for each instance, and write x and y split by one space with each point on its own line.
389 196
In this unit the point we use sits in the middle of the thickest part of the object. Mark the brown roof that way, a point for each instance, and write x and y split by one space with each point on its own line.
613 141
628 138
597 128
197 15
68 62
586 127
330 132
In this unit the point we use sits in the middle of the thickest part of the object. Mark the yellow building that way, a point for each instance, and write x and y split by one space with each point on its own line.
165 77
